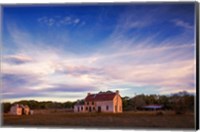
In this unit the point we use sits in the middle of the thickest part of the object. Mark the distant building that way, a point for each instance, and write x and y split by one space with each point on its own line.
19 109
152 107
100 102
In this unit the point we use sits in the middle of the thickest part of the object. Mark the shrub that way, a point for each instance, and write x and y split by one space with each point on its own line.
159 113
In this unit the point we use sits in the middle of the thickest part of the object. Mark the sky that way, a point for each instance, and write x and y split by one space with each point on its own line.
62 52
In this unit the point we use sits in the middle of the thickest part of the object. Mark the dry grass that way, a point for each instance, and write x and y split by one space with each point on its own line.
167 120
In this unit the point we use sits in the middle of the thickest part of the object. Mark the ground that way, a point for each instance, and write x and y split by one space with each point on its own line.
144 119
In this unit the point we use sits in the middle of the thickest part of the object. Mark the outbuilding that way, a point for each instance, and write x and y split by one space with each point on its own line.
19 109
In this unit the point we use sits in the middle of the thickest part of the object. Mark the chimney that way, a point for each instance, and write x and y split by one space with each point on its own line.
117 91
88 94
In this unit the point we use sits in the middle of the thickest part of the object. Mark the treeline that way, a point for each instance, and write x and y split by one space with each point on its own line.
179 102
39 105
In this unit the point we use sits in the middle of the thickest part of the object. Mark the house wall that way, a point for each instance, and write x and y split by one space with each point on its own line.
79 108
90 106
104 105
16 110
93 106
26 111
117 104
19 111
13 110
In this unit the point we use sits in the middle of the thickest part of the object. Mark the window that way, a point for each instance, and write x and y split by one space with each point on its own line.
107 107
87 103
93 108
86 108
81 108
115 108
92 103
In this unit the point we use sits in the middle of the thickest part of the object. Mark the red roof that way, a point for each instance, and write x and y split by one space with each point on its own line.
102 96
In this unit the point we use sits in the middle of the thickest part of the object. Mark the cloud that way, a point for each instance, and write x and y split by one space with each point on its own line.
155 68
23 86
42 71
143 65
17 95
164 65
142 18
69 88
80 70
182 23
59 21
12 82
76 21
18 59
47 21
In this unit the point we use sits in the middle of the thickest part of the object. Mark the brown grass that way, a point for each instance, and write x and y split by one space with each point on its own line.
54 118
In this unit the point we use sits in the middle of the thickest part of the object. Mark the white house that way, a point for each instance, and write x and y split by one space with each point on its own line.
101 102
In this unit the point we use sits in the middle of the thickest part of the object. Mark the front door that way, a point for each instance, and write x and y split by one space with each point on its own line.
99 108
90 109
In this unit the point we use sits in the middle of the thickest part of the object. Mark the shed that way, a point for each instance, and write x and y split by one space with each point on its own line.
19 109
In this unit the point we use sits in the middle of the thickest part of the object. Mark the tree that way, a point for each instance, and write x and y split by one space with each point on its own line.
31 103
68 104
182 102
164 100
189 102
6 107
138 101
126 103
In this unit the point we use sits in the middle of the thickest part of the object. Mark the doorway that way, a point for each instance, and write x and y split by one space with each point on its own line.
99 108
90 109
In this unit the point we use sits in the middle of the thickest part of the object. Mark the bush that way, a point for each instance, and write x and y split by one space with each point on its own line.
6 107
159 113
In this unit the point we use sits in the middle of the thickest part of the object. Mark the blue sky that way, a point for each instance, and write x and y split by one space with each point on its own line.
61 52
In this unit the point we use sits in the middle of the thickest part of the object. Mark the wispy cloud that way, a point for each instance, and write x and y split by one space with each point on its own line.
156 67
182 23
60 21
17 59
133 63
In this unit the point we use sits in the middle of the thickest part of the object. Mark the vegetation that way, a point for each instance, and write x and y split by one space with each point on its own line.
39 105
6 107
179 102
55 114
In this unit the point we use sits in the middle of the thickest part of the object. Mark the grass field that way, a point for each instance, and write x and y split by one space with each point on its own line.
101 120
